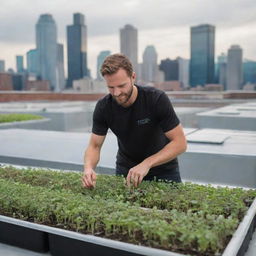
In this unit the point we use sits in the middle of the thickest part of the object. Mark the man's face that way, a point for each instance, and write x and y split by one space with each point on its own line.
120 86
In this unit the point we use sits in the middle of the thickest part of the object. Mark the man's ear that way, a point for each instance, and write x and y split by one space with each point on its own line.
133 76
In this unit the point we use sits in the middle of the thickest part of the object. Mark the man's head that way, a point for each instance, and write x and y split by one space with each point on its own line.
118 72
115 62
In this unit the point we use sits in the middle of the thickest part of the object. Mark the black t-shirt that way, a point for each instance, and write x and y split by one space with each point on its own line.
139 128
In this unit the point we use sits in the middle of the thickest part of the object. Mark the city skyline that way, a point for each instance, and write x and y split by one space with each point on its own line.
168 30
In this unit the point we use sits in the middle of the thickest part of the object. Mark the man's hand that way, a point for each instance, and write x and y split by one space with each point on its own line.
89 178
136 174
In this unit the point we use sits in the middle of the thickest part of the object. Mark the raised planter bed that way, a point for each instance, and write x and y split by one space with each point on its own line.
23 121
16 117
116 214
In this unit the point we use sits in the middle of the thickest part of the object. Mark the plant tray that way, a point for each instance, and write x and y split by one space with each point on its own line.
61 242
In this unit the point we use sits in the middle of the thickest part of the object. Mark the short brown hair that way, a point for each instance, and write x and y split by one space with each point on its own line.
114 62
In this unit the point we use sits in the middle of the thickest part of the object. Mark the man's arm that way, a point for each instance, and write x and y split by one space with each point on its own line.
176 146
91 159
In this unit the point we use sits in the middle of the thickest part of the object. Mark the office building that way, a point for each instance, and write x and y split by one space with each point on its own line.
6 83
60 68
170 69
249 70
183 72
19 64
101 57
77 49
149 65
202 47
32 62
235 68
221 71
2 66
46 44
129 44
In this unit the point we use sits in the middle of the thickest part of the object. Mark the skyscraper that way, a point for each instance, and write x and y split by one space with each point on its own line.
101 57
249 70
149 65
170 69
202 47
234 68
129 44
60 68
19 64
46 44
222 70
32 62
183 71
77 49
2 66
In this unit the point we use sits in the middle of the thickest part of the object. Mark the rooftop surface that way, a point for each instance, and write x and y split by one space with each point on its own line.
247 110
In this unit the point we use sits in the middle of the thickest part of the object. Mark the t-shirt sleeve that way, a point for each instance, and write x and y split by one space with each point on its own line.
100 126
165 113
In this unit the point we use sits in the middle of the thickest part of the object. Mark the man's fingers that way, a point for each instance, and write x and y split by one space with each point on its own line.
94 177
89 180
137 180
140 180
85 182
128 179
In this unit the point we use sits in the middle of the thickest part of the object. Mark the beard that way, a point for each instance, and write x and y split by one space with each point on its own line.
123 98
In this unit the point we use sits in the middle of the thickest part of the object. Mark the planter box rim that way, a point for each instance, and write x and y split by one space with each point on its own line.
142 250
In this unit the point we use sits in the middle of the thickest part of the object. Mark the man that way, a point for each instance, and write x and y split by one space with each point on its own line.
149 134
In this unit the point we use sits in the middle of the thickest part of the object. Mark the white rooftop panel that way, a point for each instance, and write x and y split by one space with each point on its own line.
207 138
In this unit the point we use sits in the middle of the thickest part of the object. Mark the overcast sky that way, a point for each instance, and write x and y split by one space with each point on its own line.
162 23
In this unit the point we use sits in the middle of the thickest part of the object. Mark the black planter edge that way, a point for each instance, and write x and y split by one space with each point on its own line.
142 250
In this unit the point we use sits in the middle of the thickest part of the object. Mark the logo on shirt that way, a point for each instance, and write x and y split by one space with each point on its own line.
143 121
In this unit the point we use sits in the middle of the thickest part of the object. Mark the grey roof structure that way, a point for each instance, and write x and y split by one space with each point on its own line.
220 156
77 116
64 116
236 116
213 156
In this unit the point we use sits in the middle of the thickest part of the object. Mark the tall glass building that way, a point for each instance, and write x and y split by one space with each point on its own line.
100 59
19 64
32 62
46 44
2 66
249 70
129 44
149 65
235 68
77 49
202 48
170 69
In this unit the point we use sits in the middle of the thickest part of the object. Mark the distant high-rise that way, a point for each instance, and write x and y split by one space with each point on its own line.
101 57
19 64
77 49
60 68
149 65
46 44
249 70
170 69
202 47
129 44
32 62
183 71
234 68
2 66
222 70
